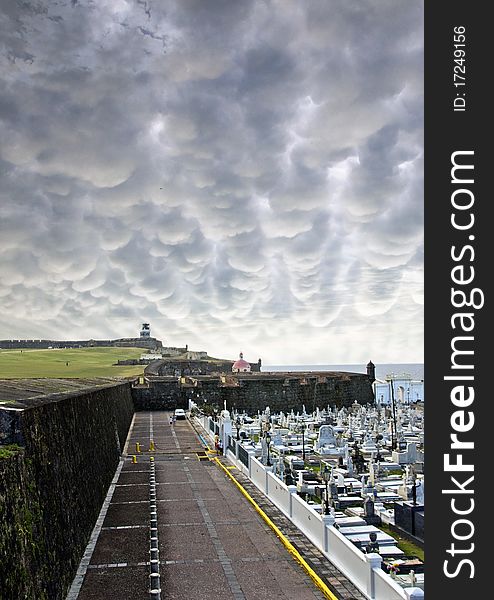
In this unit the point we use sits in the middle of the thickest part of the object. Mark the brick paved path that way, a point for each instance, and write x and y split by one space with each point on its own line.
212 543
332 577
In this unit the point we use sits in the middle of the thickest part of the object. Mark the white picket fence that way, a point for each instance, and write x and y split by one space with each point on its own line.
364 570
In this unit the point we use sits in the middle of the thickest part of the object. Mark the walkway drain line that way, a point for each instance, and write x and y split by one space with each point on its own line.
175 438
127 441
78 580
154 559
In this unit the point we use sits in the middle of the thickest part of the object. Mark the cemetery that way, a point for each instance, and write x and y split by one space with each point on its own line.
351 478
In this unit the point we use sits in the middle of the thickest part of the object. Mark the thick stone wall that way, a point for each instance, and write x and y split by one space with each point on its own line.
22 531
54 488
148 343
280 392
161 394
193 367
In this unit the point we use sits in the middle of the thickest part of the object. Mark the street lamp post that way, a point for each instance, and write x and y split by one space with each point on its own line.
268 442
379 437
303 441
394 432
326 474
238 425
414 487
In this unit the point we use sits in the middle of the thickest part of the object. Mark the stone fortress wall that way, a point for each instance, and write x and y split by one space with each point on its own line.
178 367
53 485
140 342
251 392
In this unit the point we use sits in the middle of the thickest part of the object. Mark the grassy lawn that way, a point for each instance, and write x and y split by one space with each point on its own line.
59 363
8 451
408 547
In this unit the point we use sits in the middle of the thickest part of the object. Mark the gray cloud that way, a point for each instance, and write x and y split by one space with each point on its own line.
241 174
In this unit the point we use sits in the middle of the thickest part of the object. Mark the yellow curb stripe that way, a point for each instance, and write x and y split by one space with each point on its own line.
284 540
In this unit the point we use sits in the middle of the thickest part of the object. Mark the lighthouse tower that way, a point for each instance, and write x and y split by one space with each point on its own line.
145 330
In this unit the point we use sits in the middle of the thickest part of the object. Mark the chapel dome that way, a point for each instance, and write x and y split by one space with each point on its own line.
241 365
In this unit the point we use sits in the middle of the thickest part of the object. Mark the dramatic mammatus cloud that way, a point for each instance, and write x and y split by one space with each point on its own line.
242 175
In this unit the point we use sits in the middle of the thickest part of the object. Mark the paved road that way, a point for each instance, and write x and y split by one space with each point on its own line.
212 543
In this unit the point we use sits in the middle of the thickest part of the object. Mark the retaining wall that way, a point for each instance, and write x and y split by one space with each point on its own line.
52 490
255 391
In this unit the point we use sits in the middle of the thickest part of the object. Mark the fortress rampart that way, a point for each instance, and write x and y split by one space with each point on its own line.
177 367
52 487
251 392
140 342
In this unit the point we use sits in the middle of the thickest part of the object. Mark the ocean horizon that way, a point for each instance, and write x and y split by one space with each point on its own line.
414 370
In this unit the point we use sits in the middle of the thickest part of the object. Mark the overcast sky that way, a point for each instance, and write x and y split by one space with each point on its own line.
243 175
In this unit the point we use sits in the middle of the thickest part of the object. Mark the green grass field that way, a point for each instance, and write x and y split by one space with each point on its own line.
82 362
408 547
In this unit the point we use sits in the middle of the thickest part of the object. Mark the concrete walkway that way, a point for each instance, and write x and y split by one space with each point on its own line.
212 544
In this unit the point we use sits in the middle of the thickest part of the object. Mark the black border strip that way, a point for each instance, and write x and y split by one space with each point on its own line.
447 131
